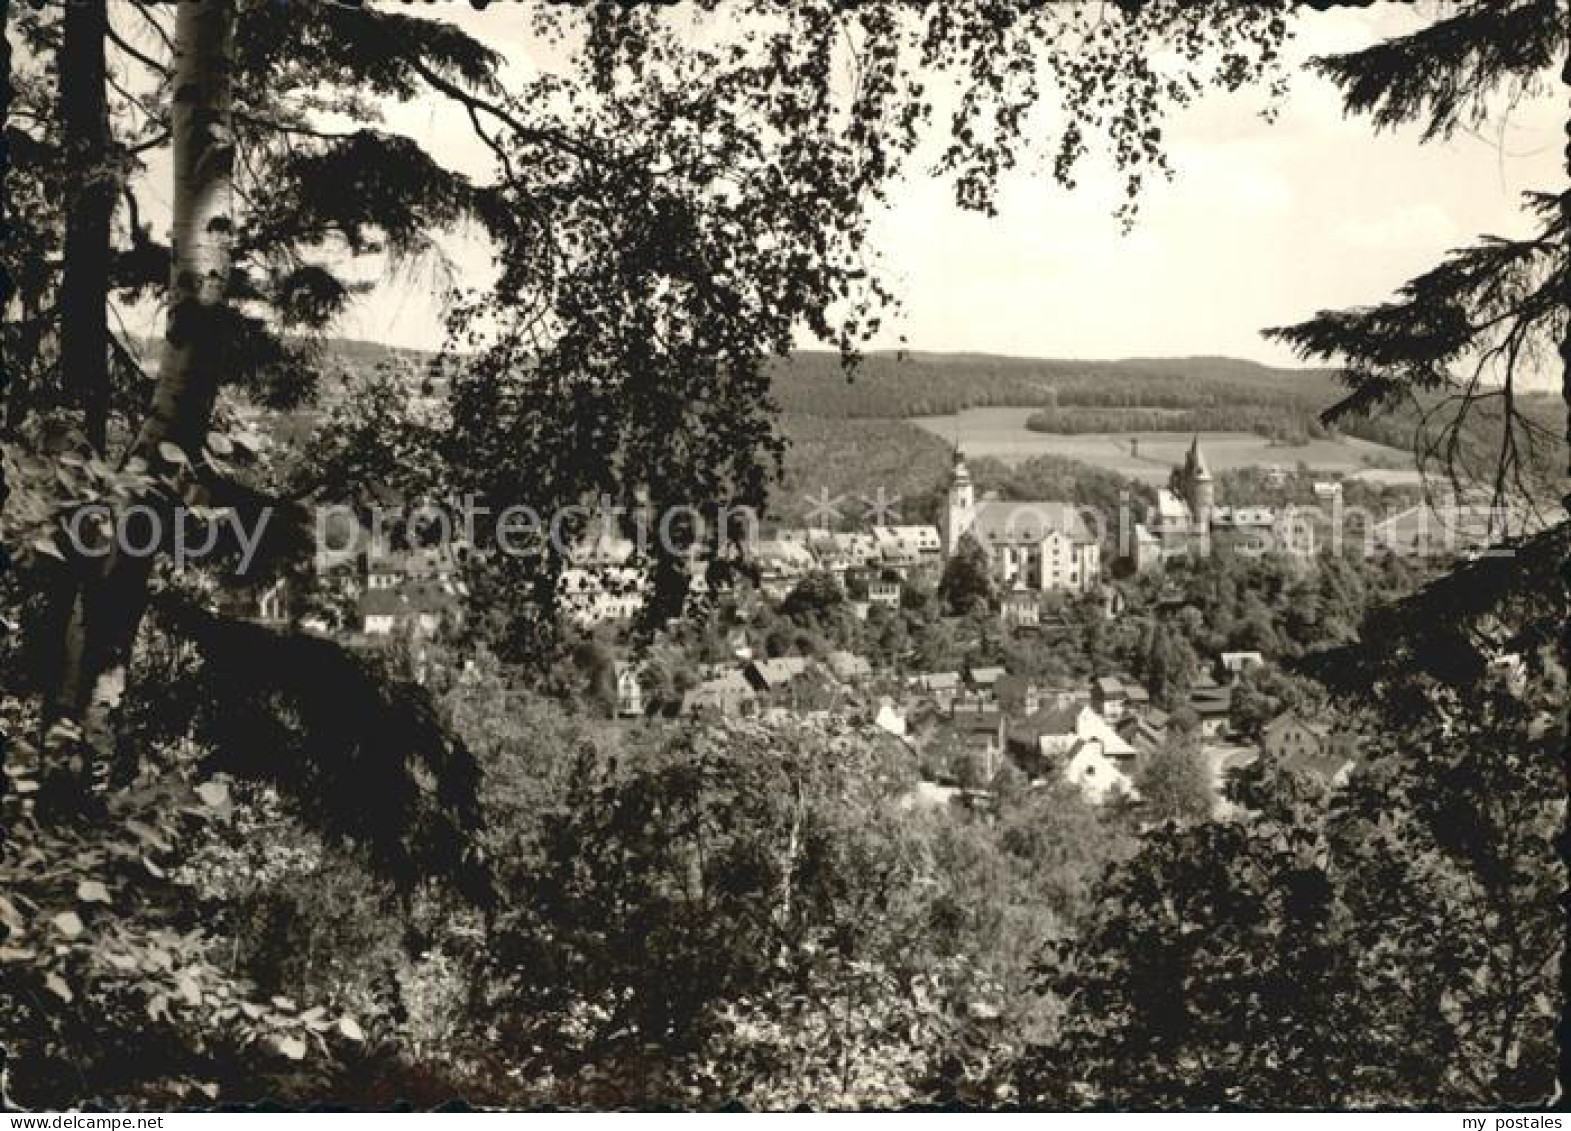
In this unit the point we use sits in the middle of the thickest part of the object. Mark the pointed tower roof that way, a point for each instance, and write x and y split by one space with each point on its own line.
1197 460
959 467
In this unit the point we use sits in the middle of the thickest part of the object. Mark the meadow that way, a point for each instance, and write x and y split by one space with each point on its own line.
1001 432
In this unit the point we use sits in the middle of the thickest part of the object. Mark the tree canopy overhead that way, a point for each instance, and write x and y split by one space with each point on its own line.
1463 340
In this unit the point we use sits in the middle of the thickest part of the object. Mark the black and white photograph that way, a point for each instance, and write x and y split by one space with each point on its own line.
750 556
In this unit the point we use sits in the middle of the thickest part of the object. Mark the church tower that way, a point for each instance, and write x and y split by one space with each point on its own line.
960 514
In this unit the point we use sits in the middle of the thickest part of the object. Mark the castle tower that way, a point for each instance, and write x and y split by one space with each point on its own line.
1201 494
960 513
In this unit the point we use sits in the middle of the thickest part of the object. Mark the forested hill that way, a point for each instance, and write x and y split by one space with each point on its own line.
1130 395
339 355
1144 395
932 384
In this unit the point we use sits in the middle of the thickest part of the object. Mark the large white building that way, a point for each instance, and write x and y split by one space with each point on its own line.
1031 546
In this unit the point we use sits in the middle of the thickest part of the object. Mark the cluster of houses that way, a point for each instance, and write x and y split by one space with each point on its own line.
881 559
387 594
1093 733
1032 548
799 685
417 593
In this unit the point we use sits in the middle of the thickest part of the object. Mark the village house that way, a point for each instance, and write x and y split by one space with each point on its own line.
383 568
1078 743
1107 696
420 608
984 734
728 695
848 667
796 683
1036 740
1146 733
983 681
1213 704
602 595
630 701
1115 696
381 572
923 540
840 552
602 545
1232 665
971 701
889 717
941 687
1021 608
1311 745
380 610
1253 532
1100 776
775 673
1062 695
896 557
782 561
1328 491
884 591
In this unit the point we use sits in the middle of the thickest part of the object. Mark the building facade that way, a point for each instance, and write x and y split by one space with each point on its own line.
1036 547
1188 522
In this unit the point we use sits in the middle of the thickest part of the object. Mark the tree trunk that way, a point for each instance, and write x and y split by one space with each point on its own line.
1565 337
101 629
84 334
201 230
84 285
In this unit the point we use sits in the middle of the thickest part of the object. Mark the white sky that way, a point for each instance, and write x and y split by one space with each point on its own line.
1264 224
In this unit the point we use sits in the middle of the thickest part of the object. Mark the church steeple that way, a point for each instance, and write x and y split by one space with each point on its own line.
960 513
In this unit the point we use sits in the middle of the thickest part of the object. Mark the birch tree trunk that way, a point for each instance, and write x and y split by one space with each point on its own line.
201 231
102 626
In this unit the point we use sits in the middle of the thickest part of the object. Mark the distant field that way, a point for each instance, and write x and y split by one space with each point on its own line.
1001 432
